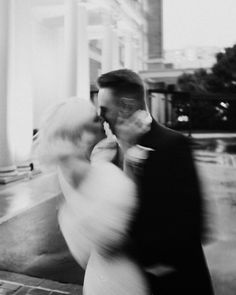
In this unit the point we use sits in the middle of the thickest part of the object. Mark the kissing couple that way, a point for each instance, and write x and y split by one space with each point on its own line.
132 213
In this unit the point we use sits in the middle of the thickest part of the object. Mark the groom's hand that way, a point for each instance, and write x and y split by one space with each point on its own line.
129 130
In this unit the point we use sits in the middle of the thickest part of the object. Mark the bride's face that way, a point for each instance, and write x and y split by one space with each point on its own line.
92 133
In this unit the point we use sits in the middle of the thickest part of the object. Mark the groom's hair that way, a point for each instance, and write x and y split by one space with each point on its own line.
124 82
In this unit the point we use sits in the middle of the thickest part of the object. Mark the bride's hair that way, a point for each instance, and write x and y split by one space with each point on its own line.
60 129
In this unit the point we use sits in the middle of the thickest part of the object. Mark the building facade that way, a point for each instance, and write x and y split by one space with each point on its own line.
155 35
53 49
192 57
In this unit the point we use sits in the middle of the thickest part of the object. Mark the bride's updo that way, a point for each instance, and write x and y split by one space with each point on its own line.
62 126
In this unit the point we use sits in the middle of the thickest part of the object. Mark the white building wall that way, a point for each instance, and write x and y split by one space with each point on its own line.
43 61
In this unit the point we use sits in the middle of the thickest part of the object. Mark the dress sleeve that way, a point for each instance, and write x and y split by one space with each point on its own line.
100 210
112 208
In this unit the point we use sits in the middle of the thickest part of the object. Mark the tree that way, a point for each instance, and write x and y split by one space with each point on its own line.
193 82
224 71
221 81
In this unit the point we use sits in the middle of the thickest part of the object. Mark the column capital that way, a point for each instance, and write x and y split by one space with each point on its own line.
108 20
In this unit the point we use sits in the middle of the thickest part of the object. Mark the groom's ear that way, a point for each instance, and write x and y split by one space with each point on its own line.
127 106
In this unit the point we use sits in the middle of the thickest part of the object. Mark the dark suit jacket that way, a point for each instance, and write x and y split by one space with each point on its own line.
169 224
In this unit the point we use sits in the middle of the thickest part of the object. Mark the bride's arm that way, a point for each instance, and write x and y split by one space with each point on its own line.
114 199
108 202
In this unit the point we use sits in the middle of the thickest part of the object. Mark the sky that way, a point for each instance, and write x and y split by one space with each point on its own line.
199 23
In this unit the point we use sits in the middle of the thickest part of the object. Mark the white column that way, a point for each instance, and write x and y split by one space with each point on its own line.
128 58
6 150
22 94
158 107
169 108
135 57
139 60
155 106
162 113
83 66
110 49
107 49
71 36
141 50
115 51
77 81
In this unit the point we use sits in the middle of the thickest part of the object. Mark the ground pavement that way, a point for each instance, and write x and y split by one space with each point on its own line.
31 241
17 284
218 176
32 244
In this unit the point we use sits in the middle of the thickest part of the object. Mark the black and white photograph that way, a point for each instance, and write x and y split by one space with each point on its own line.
117 147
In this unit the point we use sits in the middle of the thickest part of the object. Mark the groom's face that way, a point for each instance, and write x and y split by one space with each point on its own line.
109 107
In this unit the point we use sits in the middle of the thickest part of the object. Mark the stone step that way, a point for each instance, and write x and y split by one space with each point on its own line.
18 284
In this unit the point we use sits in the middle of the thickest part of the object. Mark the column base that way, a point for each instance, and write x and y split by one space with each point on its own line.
7 177
30 168
22 171
9 174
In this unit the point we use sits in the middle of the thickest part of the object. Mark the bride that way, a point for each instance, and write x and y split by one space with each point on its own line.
99 199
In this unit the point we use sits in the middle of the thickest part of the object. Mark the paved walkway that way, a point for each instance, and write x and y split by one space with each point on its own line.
16 284
32 244
219 187
21 195
31 241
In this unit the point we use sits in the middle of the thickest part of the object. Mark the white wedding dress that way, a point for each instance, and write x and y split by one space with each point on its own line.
93 219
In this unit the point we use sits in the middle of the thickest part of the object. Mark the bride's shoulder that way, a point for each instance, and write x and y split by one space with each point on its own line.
112 183
108 172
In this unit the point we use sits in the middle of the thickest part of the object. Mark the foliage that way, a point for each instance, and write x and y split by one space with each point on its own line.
224 71
221 79
193 82
219 113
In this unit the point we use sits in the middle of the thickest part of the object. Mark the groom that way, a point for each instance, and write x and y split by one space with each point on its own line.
167 231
